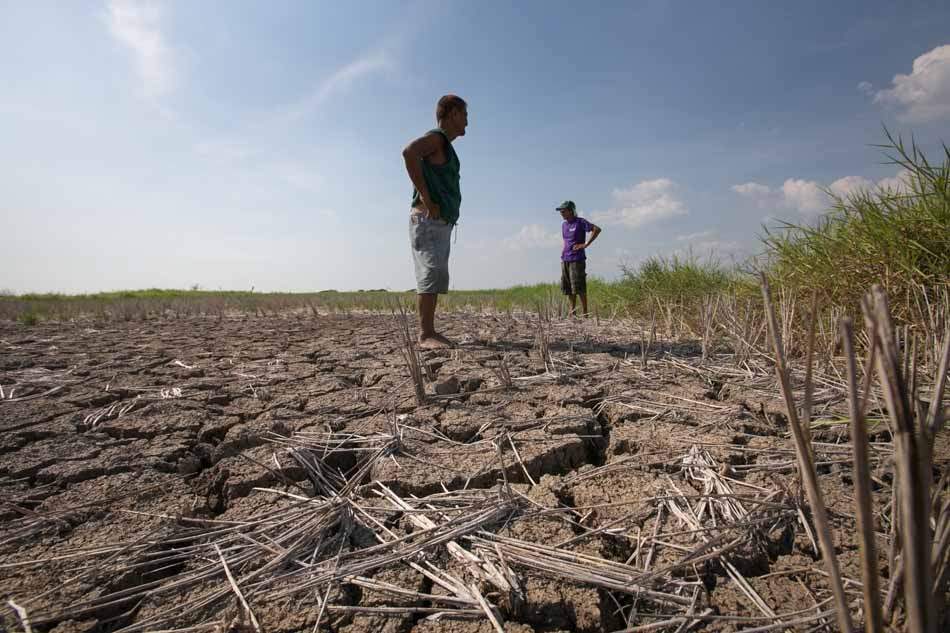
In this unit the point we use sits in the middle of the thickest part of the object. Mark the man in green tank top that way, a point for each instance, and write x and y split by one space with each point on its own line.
433 168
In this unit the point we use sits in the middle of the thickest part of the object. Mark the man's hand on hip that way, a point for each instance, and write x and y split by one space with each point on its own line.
579 247
433 212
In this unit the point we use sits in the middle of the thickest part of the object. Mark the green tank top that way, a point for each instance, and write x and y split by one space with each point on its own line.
443 182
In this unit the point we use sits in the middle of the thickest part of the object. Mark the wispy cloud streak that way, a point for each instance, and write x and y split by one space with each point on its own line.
532 236
338 82
138 25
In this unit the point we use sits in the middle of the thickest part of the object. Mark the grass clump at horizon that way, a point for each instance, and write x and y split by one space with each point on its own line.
683 277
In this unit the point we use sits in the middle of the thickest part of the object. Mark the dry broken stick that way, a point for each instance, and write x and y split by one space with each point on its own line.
503 372
645 344
807 470
914 474
485 570
237 590
22 614
543 342
410 353
720 507
743 325
577 567
870 576
809 361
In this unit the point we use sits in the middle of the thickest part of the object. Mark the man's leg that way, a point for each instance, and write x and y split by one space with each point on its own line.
579 282
443 247
426 303
566 289
428 337
430 244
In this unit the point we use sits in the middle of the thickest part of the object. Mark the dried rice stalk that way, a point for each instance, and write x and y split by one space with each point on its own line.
807 469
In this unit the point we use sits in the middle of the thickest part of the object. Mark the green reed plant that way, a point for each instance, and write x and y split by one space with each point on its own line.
679 290
899 237
676 276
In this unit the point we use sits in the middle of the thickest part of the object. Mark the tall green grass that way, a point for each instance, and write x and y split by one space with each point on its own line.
678 277
898 238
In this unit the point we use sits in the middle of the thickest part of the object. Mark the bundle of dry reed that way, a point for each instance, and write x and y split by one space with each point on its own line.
921 510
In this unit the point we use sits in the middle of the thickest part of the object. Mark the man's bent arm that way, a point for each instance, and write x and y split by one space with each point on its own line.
413 154
594 232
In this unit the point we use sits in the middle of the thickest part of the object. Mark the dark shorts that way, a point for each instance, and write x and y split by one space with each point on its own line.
574 278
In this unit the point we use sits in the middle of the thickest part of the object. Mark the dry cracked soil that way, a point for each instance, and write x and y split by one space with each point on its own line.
143 464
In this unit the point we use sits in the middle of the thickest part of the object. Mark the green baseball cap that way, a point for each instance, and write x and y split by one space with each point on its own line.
567 204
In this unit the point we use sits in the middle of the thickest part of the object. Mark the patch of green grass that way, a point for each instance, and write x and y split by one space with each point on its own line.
685 281
677 276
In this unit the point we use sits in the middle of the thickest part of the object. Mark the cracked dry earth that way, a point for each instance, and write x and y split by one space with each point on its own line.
161 475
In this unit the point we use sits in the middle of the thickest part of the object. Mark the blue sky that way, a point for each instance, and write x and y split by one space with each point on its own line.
239 144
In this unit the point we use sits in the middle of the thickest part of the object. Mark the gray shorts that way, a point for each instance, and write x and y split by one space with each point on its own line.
430 241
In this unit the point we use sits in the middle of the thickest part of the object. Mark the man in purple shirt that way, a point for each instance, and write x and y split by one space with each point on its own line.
574 230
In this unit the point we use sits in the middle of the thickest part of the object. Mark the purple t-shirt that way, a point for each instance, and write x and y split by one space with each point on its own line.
574 232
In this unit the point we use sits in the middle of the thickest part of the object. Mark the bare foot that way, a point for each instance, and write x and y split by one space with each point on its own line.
434 342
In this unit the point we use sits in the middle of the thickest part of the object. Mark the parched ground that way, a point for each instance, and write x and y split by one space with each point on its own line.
276 473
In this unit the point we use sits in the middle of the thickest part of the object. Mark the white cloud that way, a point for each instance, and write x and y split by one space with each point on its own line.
138 25
761 194
533 236
752 189
866 87
804 195
809 196
692 237
648 201
849 185
925 92
899 183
